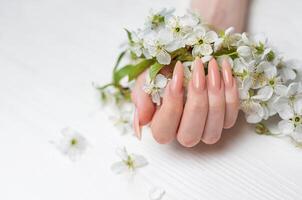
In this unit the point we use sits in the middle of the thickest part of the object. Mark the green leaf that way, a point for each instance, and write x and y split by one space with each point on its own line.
129 35
154 69
119 58
132 71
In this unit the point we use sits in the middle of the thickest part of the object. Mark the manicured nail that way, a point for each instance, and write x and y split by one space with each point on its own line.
199 81
136 125
177 79
213 75
227 74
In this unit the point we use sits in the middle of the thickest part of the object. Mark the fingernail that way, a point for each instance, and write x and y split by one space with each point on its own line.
227 74
177 78
214 75
199 81
136 125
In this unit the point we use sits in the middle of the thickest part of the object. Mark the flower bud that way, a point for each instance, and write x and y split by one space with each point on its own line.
261 129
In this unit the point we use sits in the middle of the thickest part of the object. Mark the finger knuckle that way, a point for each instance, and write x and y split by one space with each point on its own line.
217 106
199 106
173 109
234 104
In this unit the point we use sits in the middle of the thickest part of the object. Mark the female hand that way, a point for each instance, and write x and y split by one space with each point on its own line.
212 104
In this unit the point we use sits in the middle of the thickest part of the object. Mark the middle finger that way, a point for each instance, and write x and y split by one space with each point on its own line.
196 108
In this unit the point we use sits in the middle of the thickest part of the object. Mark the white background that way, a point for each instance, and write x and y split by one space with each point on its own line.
52 51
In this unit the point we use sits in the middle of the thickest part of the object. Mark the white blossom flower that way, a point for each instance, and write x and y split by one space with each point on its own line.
292 91
268 108
253 41
159 45
266 79
128 162
72 143
122 120
137 45
253 110
290 96
255 48
156 19
288 69
292 122
181 26
156 87
244 72
225 40
156 193
256 106
202 41
257 76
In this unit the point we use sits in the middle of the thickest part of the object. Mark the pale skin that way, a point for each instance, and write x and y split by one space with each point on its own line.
212 102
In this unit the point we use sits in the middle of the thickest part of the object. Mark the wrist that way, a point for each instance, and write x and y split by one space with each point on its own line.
223 14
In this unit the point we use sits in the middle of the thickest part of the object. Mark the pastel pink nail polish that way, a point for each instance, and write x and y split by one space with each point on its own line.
199 81
227 74
177 79
136 126
213 75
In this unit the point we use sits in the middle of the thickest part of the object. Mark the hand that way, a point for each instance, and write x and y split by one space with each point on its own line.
212 104
223 14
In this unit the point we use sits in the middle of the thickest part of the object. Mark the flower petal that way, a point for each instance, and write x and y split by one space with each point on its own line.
298 105
165 36
163 57
255 113
283 108
206 49
229 30
245 39
119 167
161 81
205 59
281 90
244 51
292 89
253 118
270 71
264 94
286 127
297 137
287 74
196 50
156 98
176 44
210 37
218 44
122 153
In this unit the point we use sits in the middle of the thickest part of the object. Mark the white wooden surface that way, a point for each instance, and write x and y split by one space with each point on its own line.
52 51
